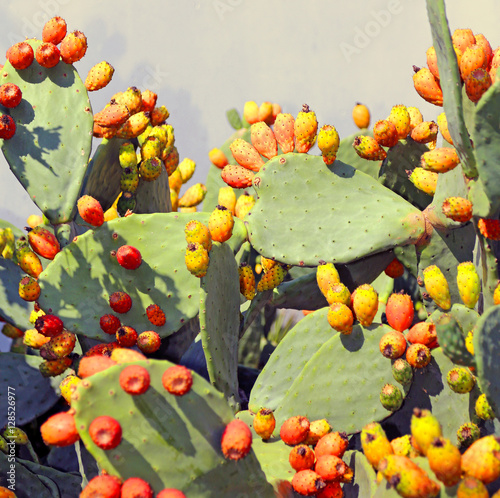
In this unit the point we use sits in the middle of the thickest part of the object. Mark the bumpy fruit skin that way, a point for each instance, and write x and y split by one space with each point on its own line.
402 371
294 430
425 132
415 116
402 446
361 116
483 409
418 355
247 281
467 434
246 155
400 117
196 231
113 115
193 196
59 346
385 133
134 379
227 198
103 486
332 443
440 160
457 209
399 311
368 148
220 224
264 423
365 304
53 368
392 345
90 365
470 487
29 289
105 432
272 278
423 333
136 124
251 112
20 55
481 460
340 318
149 341
177 380
109 324
60 430
305 129
126 336
317 429
99 76
395 269
120 302
43 242
375 444
339 293
477 83
29 261
424 428
135 487
391 397
424 180
54 30
328 143
47 55
237 176
437 286
197 259
7 127
330 467
236 441
263 139
326 276
34 339
128 257
150 169
473 57
307 482
489 228
155 315
442 122
90 210
10 95
49 325
301 457
73 47
469 284
427 86
284 132
68 385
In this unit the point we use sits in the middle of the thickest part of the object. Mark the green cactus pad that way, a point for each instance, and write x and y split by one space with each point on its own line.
154 197
158 427
451 339
220 321
233 116
34 394
51 147
306 213
161 279
365 479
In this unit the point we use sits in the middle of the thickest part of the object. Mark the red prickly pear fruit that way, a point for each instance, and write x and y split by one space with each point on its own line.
328 143
120 302
468 283
99 76
301 457
113 115
53 368
90 365
218 158
305 129
10 95
7 127
340 318
177 380
427 86
155 315
333 443
385 133
105 432
477 83
264 423
109 324
196 231
422 333
402 371
29 289
54 30
263 139
247 281
43 242
472 58
251 112
330 467
392 345
399 311
394 269
102 349
437 286
361 116
365 304
331 490
418 355
129 257
49 325
425 132
307 482
489 228
246 155
368 148
482 459
236 441
59 346
457 209
391 397
47 55
134 379
104 486
294 430
400 117
20 55
196 259
170 493
60 430
220 224
149 341
126 336
90 210
73 47
283 131
460 380
135 487
148 100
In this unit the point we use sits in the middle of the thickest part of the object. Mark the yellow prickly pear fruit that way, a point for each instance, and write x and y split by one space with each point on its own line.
469 344
483 408
340 318
133 126
127 155
326 276
440 160
99 76
424 428
402 446
170 136
482 459
193 196
111 214
29 289
328 143
424 180
368 148
407 478
3 240
400 118
305 129
375 444
227 198
196 231
244 204
361 116
437 286
415 117
469 284
247 281
34 315
32 221
264 423
266 113
267 263
10 243
186 168
445 461
442 122
192 209
496 294
151 147
68 386
197 259
27 259
470 487
174 199
175 181
365 304
425 132
220 224
251 112
338 293
272 278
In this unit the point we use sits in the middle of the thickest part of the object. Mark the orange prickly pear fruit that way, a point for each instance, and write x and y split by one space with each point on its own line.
237 176
368 148
73 47
53 368
301 457
375 444
131 98
330 467
400 117
103 132
340 318
392 345
113 115
27 259
251 112
307 482
20 55
227 198
284 132
394 269
193 196
496 294
305 129
385 133
103 485
90 210
328 143
422 333
473 58
196 231
432 61
54 30
159 115
29 290
264 423
424 427
443 128
60 430
244 204
469 284
266 113
477 83
399 311
247 281
482 459
272 278
59 346
338 293
489 228
418 355
218 158
175 180
148 100
457 209
331 443
365 304
318 429
486 46
445 461
326 276
415 116
246 155
424 180
294 430
133 126
470 487
99 76
34 339
462 38
220 224
427 86
440 160
236 441
425 132
43 242
361 116
276 111
197 259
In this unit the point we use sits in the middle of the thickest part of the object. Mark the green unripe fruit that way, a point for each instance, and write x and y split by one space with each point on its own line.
467 434
126 201
15 434
3 445
402 371
483 408
460 380
391 397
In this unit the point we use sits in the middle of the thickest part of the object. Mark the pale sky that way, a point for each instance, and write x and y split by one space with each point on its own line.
204 57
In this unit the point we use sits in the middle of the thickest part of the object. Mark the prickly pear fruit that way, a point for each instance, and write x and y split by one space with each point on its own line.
483 409
247 281
54 30
73 47
394 269
28 260
150 169
68 386
196 231
10 95
103 485
113 115
236 441
99 76
489 228
246 155
53 368
294 430
477 83
244 204
482 459
218 158
60 430
90 365
457 209
385 133
34 339
301 457
361 116
399 311
177 380
422 333
442 122
105 432
340 318
196 259
251 112
305 129
193 196
155 315
264 423
330 467
151 147
284 132
128 257
43 242
437 286
402 371
29 289
20 55
418 355
220 224
440 160
175 180
375 444
272 278
149 341
445 461
415 116
133 126
263 140
339 293
392 345
120 302
424 428
317 429
126 336
391 397
460 380
402 446
425 132
227 198
473 57
135 487
365 304
424 180
331 443
307 482
328 143
469 284
470 487
134 380
326 276
90 210
368 148
400 117
109 324
7 127
468 433
12 332
170 493
427 86
59 346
